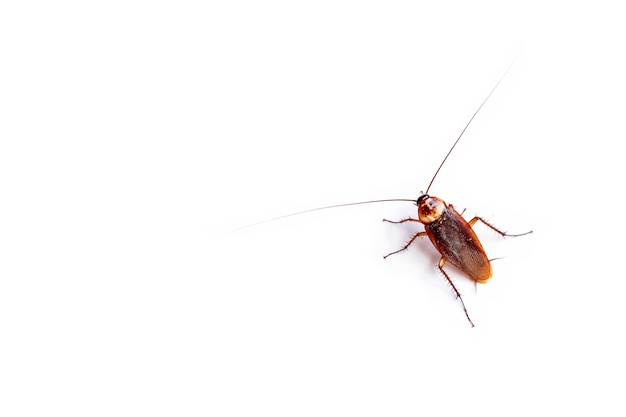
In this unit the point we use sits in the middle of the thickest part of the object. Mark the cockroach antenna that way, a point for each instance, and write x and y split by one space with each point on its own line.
466 126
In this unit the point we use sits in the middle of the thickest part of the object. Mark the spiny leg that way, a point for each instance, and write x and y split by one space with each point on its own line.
402 221
475 219
410 241
407 245
458 294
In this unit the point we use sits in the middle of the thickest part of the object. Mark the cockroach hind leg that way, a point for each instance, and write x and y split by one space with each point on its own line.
495 229
407 245
442 262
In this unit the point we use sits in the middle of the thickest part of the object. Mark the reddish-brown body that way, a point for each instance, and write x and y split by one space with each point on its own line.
457 242
454 238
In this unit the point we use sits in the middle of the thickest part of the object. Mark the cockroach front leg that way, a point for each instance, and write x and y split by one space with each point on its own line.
442 262
410 241
500 232
402 221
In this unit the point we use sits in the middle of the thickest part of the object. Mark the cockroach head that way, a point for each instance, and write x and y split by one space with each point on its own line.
429 209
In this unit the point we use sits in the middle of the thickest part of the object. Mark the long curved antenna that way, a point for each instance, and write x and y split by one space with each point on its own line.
392 199
323 208
465 128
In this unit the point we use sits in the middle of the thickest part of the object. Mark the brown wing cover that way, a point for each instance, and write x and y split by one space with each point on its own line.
455 239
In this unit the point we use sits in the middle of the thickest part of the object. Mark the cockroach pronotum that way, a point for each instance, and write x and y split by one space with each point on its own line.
447 230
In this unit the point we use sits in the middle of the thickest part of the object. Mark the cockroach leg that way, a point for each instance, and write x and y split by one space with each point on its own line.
408 244
500 232
442 262
401 221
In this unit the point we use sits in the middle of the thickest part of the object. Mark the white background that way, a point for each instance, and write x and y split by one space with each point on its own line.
135 136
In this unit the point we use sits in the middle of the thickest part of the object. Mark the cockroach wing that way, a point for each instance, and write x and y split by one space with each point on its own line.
455 239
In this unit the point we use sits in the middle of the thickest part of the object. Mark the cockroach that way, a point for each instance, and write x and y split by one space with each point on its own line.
448 231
